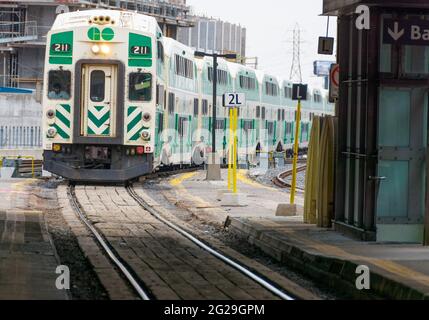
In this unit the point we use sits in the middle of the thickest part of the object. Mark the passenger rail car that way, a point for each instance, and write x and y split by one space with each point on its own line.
120 100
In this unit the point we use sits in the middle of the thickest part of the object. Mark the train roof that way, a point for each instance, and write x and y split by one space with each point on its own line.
235 68
125 19
172 46
262 77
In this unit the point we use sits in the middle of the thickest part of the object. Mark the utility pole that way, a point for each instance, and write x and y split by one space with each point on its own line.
213 172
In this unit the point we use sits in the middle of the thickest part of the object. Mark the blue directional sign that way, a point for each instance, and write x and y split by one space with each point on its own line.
406 32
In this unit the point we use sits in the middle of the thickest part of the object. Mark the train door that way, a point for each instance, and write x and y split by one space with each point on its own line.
98 101
183 130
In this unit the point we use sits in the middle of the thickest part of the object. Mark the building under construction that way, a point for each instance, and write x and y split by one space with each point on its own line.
24 25
213 35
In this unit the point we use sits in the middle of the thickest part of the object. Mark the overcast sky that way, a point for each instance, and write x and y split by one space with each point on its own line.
269 26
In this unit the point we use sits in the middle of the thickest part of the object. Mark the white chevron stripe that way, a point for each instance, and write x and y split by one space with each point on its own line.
63 126
137 127
134 114
63 111
97 130
133 132
98 114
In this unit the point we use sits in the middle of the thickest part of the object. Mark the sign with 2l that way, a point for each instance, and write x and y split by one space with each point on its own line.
406 32
233 100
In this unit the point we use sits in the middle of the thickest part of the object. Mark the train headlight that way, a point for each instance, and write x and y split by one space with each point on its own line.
95 49
145 135
105 49
50 114
147 117
51 133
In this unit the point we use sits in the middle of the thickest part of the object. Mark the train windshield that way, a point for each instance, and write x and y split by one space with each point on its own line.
59 85
140 87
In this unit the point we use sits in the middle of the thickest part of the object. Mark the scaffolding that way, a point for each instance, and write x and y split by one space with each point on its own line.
19 31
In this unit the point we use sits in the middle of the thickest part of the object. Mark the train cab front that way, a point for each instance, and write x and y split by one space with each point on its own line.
98 102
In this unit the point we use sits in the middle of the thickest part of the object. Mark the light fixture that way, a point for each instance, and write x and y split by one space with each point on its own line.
147 117
140 150
145 135
95 49
50 114
52 132
105 49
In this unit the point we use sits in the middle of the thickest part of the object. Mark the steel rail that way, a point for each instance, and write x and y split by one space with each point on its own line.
270 287
113 257
280 181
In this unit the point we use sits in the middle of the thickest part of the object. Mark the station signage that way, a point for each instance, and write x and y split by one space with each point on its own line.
299 91
322 68
334 83
326 45
406 32
233 100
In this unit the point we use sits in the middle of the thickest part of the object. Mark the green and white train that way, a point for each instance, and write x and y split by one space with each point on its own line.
121 101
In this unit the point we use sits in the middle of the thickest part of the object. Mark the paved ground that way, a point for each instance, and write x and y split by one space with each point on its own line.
27 257
397 271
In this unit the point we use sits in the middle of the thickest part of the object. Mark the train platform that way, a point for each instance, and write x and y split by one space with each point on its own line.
28 259
397 271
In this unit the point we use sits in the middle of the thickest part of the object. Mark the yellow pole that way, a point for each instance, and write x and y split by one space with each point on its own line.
32 167
231 147
295 153
235 150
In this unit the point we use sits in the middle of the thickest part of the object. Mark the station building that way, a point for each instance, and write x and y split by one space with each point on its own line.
381 185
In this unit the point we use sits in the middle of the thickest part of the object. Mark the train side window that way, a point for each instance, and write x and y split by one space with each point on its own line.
59 85
160 51
160 123
182 127
171 102
196 107
140 86
98 86
160 95
205 107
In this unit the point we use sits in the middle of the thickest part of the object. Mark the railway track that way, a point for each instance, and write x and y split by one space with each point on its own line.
185 242
280 180
125 269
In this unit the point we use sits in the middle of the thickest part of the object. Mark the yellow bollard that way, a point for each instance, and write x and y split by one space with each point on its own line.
295 154
231 147
32 167
235 150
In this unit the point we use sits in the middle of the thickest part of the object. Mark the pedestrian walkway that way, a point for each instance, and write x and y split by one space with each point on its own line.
27 256
397 271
